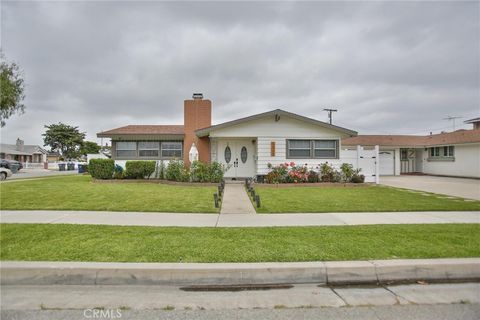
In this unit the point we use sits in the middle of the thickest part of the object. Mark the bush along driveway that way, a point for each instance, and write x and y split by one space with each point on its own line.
81 193
355 199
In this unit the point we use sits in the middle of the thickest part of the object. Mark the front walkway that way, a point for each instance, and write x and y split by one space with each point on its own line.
457 187
236 200
237 220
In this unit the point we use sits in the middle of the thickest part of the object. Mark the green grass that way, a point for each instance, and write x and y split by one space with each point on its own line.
171 244
356 199
80 193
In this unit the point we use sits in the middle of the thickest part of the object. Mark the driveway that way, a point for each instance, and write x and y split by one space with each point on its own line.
37 173
458 187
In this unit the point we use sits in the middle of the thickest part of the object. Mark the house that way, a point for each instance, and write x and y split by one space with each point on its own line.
246 145
454 154
26 153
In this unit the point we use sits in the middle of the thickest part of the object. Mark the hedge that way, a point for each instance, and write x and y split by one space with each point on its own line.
101 168
139 169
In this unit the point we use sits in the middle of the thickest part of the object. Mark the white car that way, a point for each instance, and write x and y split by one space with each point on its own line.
4 173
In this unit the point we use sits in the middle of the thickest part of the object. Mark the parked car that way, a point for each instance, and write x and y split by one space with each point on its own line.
7 163
4 173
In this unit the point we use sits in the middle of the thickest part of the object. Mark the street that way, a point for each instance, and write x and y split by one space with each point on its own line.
306 301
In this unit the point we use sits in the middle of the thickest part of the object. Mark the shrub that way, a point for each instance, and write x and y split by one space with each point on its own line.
357 177
327 172
207 172
176 171
139 169
101 168
200 172
312 176
217 170
347 172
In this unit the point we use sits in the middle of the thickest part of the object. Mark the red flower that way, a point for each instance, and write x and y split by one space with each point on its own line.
292 164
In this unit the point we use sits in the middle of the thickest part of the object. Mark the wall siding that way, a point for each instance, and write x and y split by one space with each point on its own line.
466 164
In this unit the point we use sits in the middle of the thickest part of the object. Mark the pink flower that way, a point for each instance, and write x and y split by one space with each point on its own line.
292 164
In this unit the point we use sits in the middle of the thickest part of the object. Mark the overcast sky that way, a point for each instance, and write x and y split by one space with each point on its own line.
392 68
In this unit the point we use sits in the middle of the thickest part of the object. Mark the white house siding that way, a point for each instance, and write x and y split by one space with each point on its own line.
466 164
266 130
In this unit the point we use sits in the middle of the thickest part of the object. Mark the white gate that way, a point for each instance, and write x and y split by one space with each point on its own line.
366 160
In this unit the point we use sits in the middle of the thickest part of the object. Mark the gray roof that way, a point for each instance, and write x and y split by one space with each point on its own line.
205 131
28 149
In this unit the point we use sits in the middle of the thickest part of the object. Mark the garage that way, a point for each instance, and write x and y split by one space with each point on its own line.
387 163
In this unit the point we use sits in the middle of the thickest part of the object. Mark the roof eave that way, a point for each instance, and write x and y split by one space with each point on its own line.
206 131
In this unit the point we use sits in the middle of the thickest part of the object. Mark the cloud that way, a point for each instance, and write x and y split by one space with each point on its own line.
388 67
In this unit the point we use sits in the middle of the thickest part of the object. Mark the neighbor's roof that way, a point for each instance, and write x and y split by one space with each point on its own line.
456 137
28 149
205 131
144 130
472 120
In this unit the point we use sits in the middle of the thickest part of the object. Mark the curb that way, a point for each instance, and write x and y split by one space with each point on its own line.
326 273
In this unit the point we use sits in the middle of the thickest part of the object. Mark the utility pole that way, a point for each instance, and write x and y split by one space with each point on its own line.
450 118
330 113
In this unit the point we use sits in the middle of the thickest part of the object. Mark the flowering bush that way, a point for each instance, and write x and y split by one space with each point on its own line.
325 172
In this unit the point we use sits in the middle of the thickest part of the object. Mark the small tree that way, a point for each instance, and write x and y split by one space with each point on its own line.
64 138
12 87
89 147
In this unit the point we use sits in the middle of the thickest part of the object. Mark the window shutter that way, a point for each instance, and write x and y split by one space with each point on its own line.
272 149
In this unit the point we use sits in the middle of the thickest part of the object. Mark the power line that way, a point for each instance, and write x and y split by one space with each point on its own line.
450 118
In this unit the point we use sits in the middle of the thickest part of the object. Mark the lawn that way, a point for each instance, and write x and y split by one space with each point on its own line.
80 193
356 199
171 244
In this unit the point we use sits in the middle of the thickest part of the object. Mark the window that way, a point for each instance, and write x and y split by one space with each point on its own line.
148 148
228 154
442 152
318 149
126 149
325 148
171 149
404 154
243 154
299 149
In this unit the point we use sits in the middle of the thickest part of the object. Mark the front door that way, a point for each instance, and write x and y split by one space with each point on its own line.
239 156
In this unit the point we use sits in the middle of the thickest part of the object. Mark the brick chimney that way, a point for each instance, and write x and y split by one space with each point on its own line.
197 114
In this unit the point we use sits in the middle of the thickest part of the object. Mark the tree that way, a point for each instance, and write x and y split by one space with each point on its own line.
12 87
89 147
64 138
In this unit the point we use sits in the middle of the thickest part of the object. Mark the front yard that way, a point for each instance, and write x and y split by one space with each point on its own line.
80 193
355 199
42 242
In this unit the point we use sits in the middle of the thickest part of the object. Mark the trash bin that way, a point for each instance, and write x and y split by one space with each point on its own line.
14 167
81 168
70 166
61 167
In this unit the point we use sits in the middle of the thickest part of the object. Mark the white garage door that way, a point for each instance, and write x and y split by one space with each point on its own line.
387 163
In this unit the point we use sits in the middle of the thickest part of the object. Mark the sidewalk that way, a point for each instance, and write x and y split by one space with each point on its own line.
237 220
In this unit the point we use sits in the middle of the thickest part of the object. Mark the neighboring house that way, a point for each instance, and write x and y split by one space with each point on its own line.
53 156
247 145
25 153
448 153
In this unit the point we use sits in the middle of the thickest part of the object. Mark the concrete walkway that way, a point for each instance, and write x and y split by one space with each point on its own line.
457 187
237 220
235 199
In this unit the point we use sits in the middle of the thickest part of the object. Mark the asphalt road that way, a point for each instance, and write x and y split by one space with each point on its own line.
410 312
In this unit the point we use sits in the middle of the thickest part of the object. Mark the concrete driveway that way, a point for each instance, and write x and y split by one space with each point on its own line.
458 187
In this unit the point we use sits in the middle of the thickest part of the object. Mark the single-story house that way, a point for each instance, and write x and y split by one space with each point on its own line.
26 153
448 153
246 145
